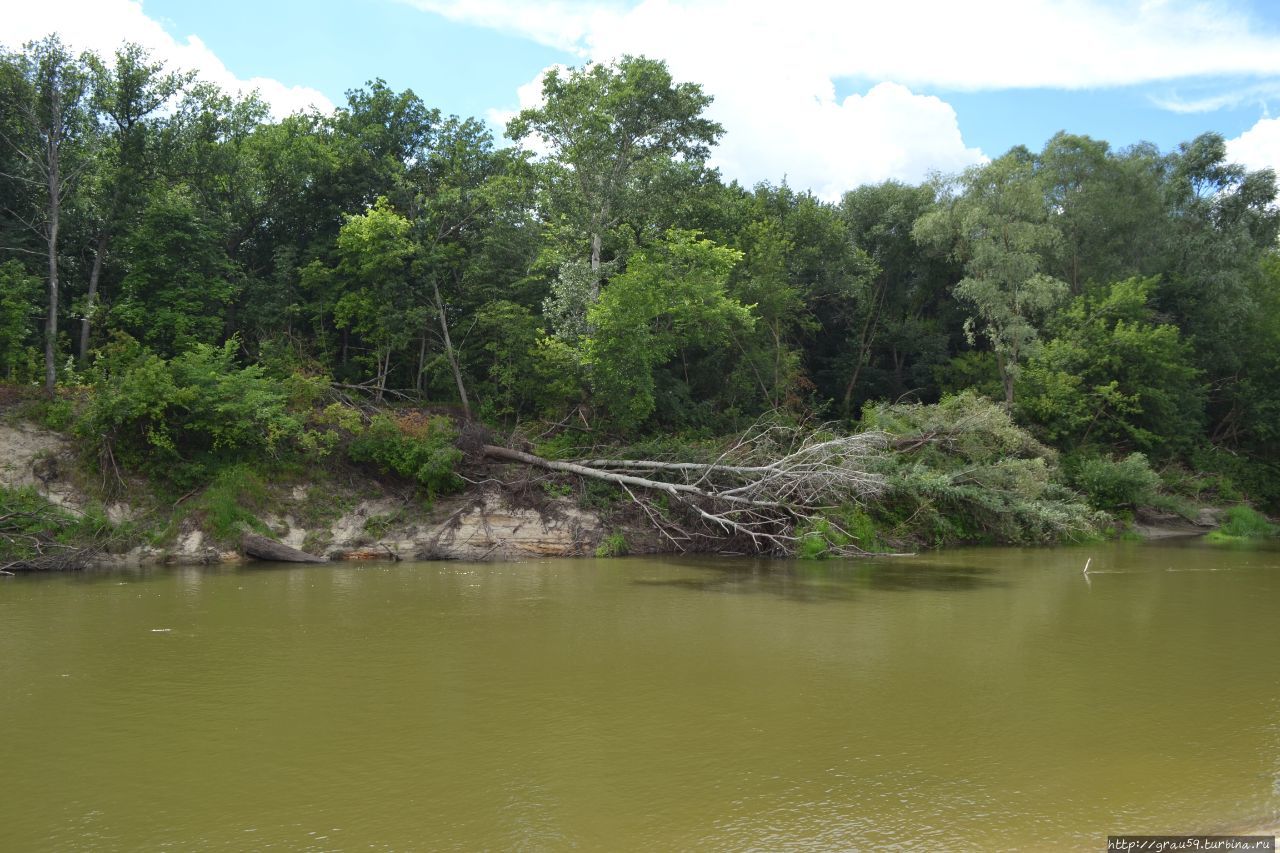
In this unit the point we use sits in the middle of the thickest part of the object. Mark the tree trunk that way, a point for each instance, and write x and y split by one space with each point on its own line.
94 273
1006 376
865 340
448 349
262 548
55 212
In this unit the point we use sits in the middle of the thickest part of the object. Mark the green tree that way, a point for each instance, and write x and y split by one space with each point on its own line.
610 130
48 89
180 282
999 227
127 97
19 308
1112 374
670 298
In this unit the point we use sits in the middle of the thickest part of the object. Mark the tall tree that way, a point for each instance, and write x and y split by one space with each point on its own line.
999 227
127 95
48 89
607 126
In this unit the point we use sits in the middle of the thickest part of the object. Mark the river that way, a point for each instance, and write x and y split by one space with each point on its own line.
972 699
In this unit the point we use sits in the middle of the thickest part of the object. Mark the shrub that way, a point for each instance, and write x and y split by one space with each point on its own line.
415 446
37 535
1110 485
182 419
228 504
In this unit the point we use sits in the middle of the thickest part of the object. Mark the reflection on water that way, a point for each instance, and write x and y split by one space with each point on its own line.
962 700
822 581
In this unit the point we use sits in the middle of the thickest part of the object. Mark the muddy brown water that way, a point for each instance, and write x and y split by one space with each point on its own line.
976 699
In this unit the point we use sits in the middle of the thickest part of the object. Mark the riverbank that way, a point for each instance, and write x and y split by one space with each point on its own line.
341 512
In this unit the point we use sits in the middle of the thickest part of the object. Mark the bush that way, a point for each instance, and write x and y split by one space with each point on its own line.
36 535
182 419
415 446
1110 485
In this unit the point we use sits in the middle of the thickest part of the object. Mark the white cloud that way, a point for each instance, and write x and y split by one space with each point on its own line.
1258 147
991 44
102 25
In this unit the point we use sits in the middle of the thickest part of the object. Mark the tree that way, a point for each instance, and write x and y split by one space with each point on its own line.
126 97
999 227
48 89
899 332
1113 374
180 282
609 126
376 250
671 297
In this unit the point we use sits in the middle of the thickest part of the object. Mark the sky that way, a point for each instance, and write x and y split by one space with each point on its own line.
824 94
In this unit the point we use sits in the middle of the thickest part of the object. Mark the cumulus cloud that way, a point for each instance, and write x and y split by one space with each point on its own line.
773 83
102 25
1258 147
994 44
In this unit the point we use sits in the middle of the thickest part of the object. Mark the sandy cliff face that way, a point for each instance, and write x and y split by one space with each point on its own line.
365 520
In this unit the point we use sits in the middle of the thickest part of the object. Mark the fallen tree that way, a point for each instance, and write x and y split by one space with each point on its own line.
759 491
36 536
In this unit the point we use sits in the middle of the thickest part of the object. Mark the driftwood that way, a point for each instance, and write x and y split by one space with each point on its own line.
262 548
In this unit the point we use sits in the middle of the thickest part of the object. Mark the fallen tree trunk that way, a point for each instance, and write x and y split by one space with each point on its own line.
262 548
766 486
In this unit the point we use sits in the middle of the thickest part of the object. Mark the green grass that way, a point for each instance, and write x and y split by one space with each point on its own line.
1243 523
613 545
229 503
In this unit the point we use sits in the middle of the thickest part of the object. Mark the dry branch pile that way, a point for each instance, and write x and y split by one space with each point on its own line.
768 482
28 543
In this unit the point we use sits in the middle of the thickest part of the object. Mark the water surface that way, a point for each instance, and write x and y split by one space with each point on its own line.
980 699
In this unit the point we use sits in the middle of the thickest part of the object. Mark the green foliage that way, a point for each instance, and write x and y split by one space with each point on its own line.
528 372
1111 485
1000 228
965 472
414 446
229 504
19 318
1244 523
1113 375
670 298
27 519
843 527
180 280
181 419
613 545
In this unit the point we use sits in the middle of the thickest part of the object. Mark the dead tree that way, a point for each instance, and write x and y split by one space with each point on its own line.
769 482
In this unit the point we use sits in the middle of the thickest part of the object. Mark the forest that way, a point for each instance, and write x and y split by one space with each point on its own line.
195 284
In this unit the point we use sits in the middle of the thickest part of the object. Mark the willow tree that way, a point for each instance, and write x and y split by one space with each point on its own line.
1000 228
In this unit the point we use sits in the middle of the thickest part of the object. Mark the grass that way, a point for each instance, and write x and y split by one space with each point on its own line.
1243 524
229 503
613 545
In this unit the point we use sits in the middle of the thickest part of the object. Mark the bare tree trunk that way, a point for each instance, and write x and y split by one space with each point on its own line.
1006 377
865 340
55 212
422 363
448 349
761 488
91 301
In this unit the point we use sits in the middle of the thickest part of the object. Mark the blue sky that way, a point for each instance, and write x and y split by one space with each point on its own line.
829 94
